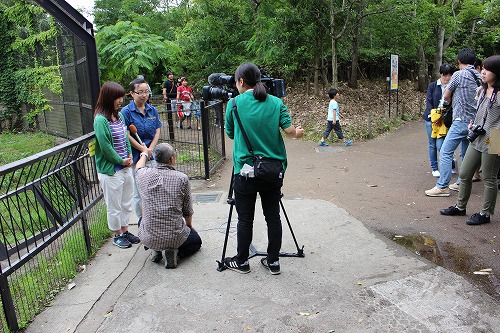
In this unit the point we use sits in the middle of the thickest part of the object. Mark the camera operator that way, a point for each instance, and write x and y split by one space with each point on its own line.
487 117
262 115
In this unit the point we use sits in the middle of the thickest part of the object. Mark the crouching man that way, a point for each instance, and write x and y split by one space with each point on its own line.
167 209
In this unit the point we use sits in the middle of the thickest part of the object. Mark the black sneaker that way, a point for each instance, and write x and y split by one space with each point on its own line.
171 258
452 211
232 263
121 241
132 238
157 256
477 219
274 266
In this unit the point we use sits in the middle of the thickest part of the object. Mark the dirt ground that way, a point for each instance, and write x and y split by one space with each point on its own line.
381 182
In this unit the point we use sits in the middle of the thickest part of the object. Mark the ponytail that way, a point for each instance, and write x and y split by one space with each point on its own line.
260 92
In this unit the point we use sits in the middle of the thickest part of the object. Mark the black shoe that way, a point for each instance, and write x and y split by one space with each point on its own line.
452 211
232 263
171 258
274 266
477 219
189 127
132 238
157 256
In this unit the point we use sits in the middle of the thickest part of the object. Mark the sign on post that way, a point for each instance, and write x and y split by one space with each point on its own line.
394 72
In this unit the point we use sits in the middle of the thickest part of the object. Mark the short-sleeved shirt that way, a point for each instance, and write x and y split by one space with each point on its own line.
166 199
333 105
171 88
146 124
184 93
463 85
262 122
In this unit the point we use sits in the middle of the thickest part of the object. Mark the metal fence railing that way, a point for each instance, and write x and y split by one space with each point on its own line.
200 149
52 220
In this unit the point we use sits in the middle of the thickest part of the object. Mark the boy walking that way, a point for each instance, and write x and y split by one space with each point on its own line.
333 120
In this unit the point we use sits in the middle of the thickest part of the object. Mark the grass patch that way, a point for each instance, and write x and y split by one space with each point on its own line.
16 146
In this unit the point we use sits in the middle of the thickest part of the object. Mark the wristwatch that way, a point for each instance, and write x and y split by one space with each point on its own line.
144 154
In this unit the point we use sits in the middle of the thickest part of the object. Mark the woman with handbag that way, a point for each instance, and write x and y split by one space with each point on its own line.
487 118
433 98
262 116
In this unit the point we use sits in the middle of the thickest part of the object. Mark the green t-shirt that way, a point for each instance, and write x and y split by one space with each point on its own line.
262 122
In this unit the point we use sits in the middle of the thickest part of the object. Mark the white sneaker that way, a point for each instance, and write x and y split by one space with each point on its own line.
454 187
435 173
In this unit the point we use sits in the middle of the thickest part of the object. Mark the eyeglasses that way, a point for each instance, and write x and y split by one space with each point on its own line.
141 92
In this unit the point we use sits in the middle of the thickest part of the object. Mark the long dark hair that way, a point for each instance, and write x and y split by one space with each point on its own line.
250 74
105 105
493 65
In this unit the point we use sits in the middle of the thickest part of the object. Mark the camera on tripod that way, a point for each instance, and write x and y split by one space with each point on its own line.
474 132
223 87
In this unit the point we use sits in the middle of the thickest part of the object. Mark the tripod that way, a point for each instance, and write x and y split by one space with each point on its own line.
253 250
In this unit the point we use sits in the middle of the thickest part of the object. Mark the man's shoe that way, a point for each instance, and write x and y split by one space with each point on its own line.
274 266
435 173
132 238
171 258
454 187
232 264
121 241
452 211
322 144
438 192
347 143
157 256
477 219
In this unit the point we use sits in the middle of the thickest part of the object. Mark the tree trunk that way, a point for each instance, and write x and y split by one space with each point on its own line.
334 63
438 56
316 74
422 69
353 79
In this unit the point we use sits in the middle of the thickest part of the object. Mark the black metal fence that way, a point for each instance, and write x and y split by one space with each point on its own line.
52 220
200 141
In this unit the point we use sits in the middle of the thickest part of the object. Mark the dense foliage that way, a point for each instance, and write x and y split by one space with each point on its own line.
322 42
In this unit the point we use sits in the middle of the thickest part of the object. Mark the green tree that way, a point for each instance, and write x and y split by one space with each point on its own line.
126 50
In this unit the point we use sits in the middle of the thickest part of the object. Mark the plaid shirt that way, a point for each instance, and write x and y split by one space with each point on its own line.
463 85
166 198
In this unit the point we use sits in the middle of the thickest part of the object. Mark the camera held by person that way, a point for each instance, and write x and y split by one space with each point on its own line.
223 87
474 132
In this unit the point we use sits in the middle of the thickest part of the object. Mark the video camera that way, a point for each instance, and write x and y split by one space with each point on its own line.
223 87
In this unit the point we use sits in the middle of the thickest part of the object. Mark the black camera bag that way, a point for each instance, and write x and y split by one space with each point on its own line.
265 168
447 116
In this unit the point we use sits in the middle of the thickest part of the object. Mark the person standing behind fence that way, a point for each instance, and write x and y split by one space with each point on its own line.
185 96
262 116
170 91
145 118
113 158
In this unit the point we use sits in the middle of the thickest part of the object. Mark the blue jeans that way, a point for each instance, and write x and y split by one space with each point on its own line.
434 146
245 194
457 135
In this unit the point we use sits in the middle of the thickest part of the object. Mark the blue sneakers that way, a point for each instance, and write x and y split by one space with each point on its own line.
121 241
322 144
347 143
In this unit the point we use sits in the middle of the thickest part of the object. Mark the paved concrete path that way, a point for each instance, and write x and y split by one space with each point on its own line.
350 280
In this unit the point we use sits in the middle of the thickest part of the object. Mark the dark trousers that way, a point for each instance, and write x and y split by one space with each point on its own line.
245 194
191 245
337 128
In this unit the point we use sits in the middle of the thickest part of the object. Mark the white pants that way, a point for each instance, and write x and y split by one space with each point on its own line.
118 193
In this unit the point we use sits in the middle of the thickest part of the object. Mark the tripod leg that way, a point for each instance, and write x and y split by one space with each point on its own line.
230 201
300 251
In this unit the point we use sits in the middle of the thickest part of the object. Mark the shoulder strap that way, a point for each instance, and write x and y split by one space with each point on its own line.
235 111
478 81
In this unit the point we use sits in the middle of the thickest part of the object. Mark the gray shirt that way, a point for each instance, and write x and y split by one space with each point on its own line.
463 85
492 121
